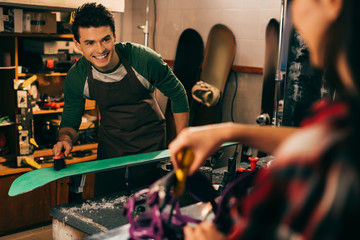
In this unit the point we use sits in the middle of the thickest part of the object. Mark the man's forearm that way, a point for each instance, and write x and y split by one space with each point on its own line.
67 134
181 121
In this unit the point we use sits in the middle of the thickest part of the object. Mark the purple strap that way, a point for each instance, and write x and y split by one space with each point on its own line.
149 224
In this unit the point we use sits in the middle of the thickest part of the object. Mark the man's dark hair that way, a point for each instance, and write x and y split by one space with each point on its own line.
91 15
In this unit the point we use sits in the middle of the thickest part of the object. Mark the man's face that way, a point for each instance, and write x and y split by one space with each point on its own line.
97 46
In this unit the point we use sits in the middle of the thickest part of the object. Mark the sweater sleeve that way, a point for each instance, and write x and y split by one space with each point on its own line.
169 85
150 65
74 101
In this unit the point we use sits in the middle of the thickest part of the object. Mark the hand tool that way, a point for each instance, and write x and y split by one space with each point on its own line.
184 158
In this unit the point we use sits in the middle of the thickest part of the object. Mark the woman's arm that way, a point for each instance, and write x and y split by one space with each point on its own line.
206 140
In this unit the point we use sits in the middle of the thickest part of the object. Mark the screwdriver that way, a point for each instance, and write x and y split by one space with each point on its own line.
184 158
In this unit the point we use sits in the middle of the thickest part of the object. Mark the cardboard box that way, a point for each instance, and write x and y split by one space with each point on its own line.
18 20
36 22
40 46
11 20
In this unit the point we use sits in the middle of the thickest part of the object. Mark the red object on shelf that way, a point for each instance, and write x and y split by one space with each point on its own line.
2 139
50 63
253 161
54 105
4 150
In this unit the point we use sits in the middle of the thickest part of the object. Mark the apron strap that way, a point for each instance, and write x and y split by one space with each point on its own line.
126 64
90 80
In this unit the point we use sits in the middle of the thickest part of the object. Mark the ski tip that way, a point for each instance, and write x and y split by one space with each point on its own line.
14 190
19 187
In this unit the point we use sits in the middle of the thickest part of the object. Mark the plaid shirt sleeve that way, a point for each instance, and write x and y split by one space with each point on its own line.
314 195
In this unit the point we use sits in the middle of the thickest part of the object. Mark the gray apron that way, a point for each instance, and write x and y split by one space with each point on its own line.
131 123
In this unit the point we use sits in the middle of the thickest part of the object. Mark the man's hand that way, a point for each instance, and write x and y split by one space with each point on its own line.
62 146
67 136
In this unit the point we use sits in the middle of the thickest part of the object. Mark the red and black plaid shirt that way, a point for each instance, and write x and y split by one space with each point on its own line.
312 191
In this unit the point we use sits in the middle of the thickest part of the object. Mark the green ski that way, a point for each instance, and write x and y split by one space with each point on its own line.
37 178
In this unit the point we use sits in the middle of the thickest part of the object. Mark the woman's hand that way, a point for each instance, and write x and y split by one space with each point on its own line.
206 140
205 230
203 141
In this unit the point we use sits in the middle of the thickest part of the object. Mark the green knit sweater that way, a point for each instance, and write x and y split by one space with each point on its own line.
148 66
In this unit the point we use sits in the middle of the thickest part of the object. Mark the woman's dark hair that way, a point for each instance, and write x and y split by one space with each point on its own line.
344 35
91 15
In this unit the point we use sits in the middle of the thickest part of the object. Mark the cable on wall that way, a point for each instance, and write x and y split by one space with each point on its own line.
154 31
233 99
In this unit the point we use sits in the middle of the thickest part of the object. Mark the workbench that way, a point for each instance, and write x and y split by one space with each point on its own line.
122 232
32 208
78 220
101 218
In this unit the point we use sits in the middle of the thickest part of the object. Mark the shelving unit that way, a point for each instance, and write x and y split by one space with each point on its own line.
45 75
32 208
50 83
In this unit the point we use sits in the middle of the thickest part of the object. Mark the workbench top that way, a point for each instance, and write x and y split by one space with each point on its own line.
99 216
94 215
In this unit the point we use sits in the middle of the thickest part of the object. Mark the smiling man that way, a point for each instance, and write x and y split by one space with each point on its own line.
121 77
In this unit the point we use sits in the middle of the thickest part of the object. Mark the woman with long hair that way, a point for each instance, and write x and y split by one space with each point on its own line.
312 191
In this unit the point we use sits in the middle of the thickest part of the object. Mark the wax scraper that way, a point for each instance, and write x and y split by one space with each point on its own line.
59 162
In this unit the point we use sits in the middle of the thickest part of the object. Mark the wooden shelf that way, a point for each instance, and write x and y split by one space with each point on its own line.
60 110
11 67
89 105
236 68
48 152
43 74
38 35
6 124
5 170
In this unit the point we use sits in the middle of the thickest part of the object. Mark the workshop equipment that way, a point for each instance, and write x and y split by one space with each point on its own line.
34 179
154 212
24 122
54 105
185 158
59 162
31 162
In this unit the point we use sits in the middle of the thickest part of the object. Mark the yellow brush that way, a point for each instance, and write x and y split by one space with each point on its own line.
184 158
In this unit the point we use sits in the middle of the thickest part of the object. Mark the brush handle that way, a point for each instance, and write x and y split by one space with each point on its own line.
59 162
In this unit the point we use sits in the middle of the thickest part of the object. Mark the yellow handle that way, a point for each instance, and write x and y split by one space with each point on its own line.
184 158
33 142
31 162
28 81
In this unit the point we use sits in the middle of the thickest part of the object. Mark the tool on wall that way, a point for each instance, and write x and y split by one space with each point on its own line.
25 126
284 36
145 27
